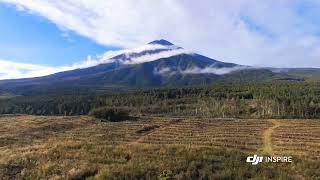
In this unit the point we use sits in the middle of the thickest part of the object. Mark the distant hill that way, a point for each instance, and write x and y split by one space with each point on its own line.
310 74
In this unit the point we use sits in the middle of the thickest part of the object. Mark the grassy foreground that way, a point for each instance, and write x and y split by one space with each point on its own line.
38 147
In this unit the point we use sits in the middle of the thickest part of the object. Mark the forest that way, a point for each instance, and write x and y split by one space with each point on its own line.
278 99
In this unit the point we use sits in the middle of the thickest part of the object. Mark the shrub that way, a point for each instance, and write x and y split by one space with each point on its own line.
166 175
110 114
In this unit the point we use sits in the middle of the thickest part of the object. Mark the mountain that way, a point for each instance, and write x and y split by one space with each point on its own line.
156 64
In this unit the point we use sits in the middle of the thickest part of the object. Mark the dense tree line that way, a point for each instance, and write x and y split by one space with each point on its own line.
255 100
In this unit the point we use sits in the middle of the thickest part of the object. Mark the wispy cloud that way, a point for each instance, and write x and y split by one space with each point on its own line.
11 70
14 70
242 31
167 71
153 57
215 70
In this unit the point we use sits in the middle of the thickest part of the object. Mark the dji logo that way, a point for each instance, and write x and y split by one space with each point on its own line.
255 159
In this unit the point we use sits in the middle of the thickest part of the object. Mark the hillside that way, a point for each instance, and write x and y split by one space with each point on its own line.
157 64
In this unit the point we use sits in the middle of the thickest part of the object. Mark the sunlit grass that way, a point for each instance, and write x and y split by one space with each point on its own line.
34 147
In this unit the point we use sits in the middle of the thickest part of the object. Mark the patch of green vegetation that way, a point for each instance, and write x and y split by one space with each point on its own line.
243 100
110 114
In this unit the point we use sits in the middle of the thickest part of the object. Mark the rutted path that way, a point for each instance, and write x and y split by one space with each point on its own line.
267 137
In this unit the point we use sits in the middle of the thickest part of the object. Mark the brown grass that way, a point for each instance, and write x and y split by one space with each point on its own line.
33 147
298 137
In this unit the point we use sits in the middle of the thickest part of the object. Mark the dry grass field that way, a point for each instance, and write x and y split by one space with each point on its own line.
38 147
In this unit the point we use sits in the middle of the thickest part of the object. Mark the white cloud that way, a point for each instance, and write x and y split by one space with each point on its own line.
162 70
15 70
251 32
153 57
10 70
166 51
215 70
167 71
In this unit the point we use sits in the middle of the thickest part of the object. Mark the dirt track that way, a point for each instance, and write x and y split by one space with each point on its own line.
267 137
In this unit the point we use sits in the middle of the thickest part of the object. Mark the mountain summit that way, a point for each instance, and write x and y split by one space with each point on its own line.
152 51
161 42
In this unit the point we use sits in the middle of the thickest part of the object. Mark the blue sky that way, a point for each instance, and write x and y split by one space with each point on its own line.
60 35
28 38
